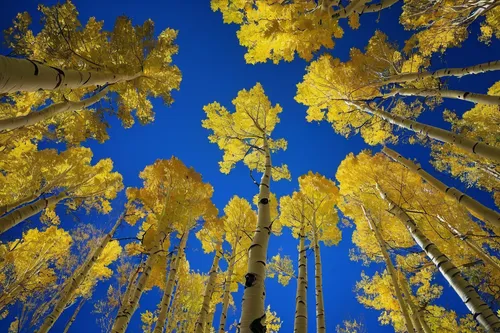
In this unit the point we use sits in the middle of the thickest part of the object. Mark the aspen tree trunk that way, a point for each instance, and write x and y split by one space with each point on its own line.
474 147
361 8
210 321
444 93
207 297
480 310
78 277
126 296
26 75
252 310
227 288
416 312
457 72
473 246
18 215
73 317
172 310
50 111
172 275
300 324
391 271
7 208
486 214
318 279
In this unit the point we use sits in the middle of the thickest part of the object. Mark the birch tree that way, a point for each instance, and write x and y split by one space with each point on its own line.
244 135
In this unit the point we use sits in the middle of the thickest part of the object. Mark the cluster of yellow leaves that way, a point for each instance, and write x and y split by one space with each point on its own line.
148 319
273 322
281 267
349 326
242 134
491 26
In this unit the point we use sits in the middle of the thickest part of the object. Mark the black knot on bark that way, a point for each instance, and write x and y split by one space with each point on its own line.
250 279
256 325
264 201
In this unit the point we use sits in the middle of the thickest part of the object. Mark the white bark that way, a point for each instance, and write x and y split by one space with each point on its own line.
78 277
169 288
18 215
444 93
227 288
474 147
252 310
486 214
420 323
74 315
26 75
50 111
207 297
479 309
300 324
318 279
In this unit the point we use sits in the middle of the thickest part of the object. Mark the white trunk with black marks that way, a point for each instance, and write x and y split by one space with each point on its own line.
474 147
479 309
227 288
417 317
252 310
318 279
26 75
18 215
75 314
207 297
210 320
392 272
50 111
300 324
486 214
78 277
444 93
457 72
131 282
360 7
169 287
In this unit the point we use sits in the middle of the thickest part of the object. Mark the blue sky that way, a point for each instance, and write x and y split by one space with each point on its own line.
214 69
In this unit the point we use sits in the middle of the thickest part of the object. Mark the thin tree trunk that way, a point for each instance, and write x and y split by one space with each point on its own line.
172 275
73 317
300 324
253 313
457 72
131 282
485 213
26 75
485 257
227 288
20 214
416 312
474 147
50 111
207 297
392 272
210 321
318 278
445 93
172 309
479 309
78 277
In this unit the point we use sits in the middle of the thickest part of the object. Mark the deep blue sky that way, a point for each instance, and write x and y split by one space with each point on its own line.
213 69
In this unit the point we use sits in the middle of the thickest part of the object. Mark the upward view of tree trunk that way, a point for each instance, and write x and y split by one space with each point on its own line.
207 297
318 279
51 111
252 309
300 324
74 282
391 271
474 147
417 316
26 75
169 287
481 311
445 93
486 214
74 315
227 288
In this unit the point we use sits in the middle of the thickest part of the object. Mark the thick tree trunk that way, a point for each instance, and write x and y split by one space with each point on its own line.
26 75
252 310
416 312
360 7
18 215
474 147
78 277
479 309
300 324
169 287
444 93
485 213
207 297
318 279
227 288
75 314
392 272
210 321
50 111
457 72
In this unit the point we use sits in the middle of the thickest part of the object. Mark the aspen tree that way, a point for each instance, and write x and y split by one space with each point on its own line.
244 135
74 315
77 278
